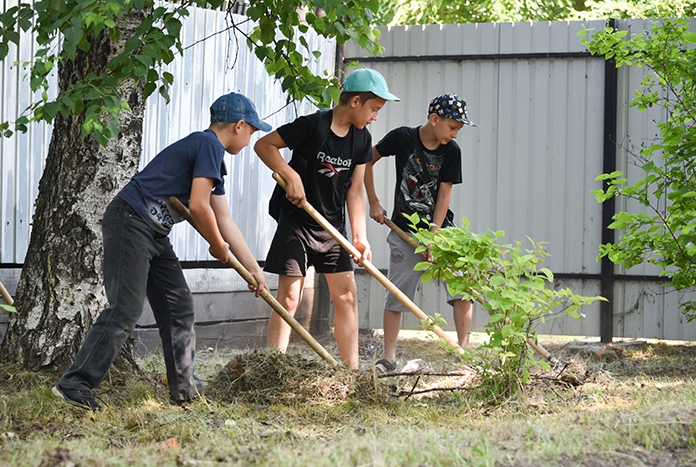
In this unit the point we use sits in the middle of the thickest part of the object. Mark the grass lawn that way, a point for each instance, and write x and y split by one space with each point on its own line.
634 406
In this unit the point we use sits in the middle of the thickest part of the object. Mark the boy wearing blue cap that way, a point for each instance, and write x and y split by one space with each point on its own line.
428 163
330 150
139 260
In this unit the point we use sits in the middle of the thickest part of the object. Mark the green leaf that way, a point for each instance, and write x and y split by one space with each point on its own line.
149 89
72 36
267 30
132 43
173 25
547 272
496 281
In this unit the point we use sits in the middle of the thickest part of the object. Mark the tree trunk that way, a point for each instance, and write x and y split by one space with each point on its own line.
61 291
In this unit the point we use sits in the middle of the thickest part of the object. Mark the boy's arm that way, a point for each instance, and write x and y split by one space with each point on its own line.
233 236
439 212
377 211
205 218
444 194
355 201
268 150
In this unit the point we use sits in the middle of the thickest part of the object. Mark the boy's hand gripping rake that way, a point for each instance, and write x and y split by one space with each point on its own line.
411 241
348 246
270 299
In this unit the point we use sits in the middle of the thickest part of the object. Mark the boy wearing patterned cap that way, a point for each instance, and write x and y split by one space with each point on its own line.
139 260
326 169
430 147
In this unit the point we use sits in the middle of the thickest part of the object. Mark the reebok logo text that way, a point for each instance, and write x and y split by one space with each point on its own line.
332 165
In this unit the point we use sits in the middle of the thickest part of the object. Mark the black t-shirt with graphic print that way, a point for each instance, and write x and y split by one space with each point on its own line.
327 174
411 193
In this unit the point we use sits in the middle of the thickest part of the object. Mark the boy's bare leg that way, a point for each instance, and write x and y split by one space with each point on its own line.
392 325
462 320
289 295
345 296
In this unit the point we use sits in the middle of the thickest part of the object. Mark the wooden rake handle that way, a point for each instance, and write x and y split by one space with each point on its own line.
412 241
270 299
369 267
6 295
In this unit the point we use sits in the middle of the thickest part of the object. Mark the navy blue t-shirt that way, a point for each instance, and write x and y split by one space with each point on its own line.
411 193
171 173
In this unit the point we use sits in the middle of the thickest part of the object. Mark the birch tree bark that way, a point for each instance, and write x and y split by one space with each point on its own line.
61 291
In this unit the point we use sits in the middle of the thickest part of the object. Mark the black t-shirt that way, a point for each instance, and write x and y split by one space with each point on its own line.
326 174
411 193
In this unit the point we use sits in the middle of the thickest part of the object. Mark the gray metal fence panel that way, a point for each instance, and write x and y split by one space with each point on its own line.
539 120
529 167
643 308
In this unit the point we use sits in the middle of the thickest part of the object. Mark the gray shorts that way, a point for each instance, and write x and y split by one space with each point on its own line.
402 261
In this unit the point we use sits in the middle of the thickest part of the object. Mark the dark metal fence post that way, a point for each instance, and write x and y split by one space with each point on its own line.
606 316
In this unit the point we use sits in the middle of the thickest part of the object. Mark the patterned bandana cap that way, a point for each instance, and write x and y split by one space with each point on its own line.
450 106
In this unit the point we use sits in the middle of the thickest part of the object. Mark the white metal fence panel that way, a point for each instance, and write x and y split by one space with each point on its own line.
207 70
636 130
21 163
216 61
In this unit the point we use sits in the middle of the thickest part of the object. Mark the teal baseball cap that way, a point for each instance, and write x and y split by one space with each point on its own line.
368 80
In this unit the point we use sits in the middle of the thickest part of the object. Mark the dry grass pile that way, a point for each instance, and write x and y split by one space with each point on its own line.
631 359
268 377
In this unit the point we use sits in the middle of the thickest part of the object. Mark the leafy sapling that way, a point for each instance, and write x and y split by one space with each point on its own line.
509 283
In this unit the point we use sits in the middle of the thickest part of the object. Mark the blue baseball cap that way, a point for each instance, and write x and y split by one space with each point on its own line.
234 107
368 80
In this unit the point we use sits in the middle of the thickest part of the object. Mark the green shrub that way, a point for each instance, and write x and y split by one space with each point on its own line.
509 283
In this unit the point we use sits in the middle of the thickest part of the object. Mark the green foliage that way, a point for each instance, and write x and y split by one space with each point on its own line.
486 11
8 308
510 285
625 9
280 31
75 24
666 236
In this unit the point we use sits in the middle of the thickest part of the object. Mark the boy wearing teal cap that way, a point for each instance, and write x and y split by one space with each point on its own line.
330 150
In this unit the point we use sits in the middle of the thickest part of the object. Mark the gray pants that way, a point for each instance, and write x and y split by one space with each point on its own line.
402 261
137 262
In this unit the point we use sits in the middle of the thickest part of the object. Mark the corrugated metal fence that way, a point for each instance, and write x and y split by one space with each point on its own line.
528 169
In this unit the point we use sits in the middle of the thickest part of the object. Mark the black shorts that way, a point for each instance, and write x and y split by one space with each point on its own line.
299 244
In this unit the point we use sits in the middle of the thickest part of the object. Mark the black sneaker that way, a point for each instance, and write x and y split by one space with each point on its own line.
82 398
